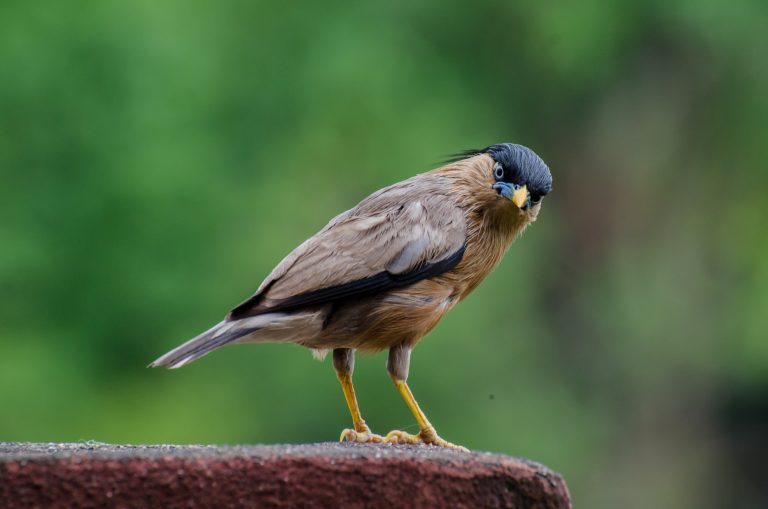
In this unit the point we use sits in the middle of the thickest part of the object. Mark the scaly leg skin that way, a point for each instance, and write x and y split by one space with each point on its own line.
427 435
361 433
344 362
398 365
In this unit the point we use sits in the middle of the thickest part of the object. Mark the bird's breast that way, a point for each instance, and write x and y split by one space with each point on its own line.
489 235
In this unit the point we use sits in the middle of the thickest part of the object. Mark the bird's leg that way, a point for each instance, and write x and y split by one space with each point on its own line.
344 364
397 366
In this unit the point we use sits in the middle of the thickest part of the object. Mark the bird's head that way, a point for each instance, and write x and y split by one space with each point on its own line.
513 174
519 175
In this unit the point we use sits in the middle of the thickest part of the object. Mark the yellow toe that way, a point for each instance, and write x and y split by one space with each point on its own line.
427 437
401 437
360 437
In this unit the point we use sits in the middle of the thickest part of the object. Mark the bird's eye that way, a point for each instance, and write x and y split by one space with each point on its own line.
498 171
535 198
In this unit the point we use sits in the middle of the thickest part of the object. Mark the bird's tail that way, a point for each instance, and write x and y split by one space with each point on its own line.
219 335
269 327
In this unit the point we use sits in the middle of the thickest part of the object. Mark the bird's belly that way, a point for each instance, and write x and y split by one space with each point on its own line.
401 316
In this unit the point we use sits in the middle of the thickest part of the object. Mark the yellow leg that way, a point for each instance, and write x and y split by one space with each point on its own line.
405 392
349 395
427 435
361 432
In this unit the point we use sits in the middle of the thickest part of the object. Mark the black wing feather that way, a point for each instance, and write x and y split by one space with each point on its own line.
381 282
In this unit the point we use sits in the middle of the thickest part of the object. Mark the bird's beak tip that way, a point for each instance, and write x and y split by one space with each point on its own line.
520 197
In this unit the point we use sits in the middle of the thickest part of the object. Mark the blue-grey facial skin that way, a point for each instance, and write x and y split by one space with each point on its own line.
506 189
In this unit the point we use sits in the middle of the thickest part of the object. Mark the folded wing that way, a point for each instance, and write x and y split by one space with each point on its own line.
396 237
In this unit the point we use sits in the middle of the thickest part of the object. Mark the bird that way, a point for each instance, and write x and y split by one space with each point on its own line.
382 274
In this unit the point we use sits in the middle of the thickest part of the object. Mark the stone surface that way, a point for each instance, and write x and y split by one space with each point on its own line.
314 475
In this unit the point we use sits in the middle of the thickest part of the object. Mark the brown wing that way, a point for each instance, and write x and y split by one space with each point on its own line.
395 237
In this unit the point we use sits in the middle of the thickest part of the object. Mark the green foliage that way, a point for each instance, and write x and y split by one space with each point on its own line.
158 158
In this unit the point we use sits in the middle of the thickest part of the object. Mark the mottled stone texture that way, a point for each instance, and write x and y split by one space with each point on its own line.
315 475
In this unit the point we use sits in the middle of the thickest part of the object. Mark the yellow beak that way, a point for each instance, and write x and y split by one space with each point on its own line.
520 197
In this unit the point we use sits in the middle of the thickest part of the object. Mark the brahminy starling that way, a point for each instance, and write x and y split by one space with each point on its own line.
382 274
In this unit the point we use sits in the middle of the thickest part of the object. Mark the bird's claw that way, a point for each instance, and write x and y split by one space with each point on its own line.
427 436
363 436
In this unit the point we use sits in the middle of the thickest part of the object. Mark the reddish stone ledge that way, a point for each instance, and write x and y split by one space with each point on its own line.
315 475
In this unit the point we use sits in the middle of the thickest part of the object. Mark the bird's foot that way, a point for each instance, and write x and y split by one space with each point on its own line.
426 436
364 435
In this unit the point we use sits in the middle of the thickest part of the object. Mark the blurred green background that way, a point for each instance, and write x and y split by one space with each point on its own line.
157 159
